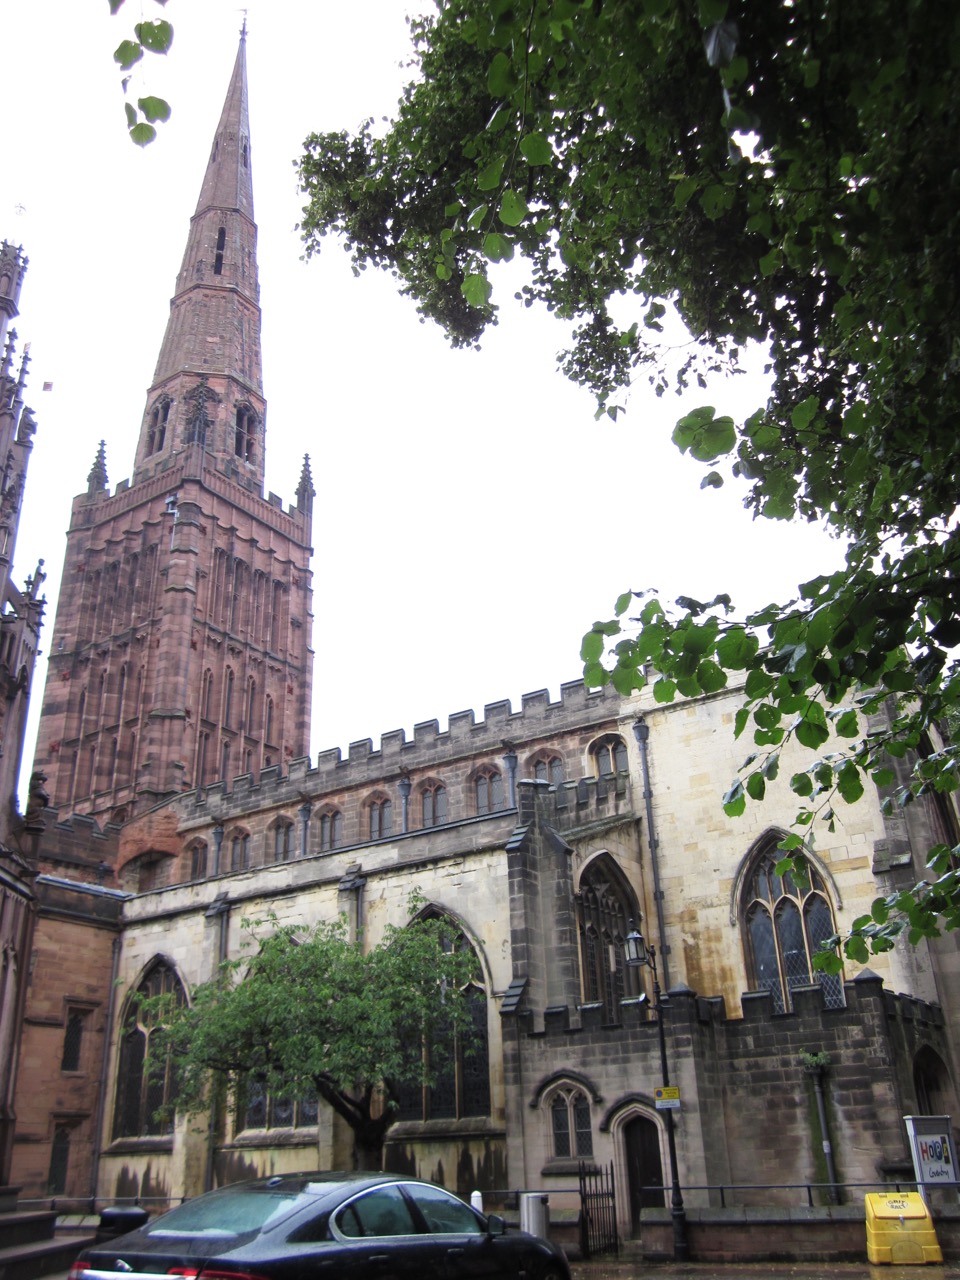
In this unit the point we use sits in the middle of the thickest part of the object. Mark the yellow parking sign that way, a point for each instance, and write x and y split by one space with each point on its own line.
667 1097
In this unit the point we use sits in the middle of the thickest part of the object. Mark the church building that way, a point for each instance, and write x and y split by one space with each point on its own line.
174 743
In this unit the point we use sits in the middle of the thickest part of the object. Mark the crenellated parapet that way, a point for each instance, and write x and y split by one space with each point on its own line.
578 712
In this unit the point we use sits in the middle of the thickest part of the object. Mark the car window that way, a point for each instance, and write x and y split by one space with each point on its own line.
444 1213
381 1212
230 1212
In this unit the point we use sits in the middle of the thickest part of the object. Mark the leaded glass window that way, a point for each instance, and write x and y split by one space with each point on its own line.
146 1090
381 819
605 907
609 756
434 799
785 922
489 791
331 830
260 1109
459 1063
571 1125
549 769
283 841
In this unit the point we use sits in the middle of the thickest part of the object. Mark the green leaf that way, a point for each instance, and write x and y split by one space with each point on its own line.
156 36
713 480
705 436
497 247
476 289
513 209
735 802
500 76
536 150
142 134
489 177
154 108
624 600
664 690
710 677
801 784
804 413
811 734
849 782
592 646
127 53
756 786
131 113
475 221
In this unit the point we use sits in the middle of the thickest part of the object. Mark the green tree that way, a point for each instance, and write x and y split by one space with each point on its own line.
784 174
311 1013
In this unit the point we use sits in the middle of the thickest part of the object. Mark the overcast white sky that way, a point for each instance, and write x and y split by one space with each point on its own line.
472 519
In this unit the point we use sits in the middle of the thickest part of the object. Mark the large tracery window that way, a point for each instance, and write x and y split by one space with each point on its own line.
460 1062
145 1090
605 907
784 924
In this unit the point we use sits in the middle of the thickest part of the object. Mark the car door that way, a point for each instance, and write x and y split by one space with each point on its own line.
378 1236
459 1246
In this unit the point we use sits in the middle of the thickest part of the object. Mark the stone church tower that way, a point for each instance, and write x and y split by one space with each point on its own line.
181 651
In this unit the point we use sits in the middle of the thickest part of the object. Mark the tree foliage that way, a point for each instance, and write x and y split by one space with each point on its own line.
783 174
309 1011
154 36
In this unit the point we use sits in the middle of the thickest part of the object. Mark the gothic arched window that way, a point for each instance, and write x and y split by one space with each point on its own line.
548 768
198 860
157 432
570 1125
783 925
460 1063
240 851
605 907
381 817
433 800
145 1091
284 845
331 830
244 441
609 756
488 790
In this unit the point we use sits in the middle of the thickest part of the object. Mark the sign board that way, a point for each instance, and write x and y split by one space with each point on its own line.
931 1145
667 1097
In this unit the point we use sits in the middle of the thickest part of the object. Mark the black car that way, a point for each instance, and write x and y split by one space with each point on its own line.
345 1226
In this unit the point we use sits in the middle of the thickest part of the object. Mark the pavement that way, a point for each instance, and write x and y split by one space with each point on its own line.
636 1269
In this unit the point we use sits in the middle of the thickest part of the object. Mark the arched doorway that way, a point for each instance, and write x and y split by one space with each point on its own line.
641 1145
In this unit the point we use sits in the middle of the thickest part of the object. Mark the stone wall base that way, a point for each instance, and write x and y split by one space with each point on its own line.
782 1235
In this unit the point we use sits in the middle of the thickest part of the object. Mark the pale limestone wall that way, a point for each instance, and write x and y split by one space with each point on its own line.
694 757
174 923
462 868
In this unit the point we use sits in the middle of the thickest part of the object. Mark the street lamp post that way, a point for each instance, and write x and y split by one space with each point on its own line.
638 953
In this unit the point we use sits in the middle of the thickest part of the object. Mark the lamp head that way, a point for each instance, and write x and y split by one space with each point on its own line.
635 947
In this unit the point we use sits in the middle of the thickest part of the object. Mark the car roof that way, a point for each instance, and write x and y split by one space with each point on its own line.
319 1181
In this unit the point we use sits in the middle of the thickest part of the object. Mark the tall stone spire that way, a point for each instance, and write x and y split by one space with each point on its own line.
181 654
207 389
228 184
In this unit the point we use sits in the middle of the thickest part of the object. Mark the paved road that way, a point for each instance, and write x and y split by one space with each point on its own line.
603 1269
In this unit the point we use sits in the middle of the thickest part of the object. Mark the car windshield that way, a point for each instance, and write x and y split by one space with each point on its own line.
233 1211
